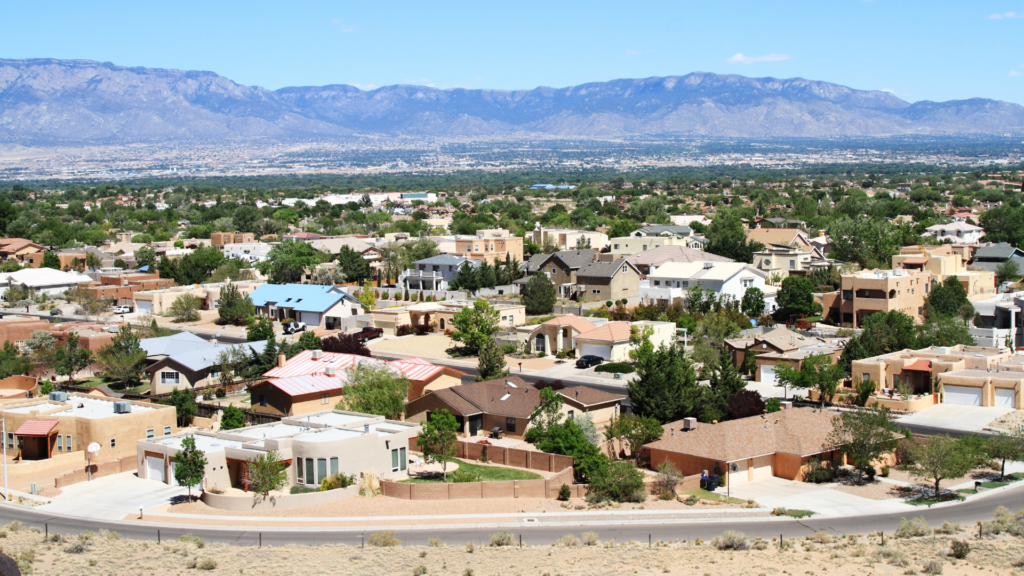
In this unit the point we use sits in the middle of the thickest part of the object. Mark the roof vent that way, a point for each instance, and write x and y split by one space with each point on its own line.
689 423
366 428
318 354
786 405
505 397
511 385
708 265
329 371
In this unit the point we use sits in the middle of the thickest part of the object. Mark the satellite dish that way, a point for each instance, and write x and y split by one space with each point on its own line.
93 448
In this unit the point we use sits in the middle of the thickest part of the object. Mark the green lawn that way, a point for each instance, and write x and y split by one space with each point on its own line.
933 500
967 491
97 380
486 473
714 496
996 484
799 513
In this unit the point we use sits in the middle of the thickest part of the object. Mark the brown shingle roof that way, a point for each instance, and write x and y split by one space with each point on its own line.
797 431
589 396
521 401
774 235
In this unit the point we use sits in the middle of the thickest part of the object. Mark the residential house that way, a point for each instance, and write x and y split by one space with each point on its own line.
787 260
556 334
781 346
490 244
655 230
560 267
191 368
434 273
222 239
990 257
160 301
688 219
24 252
610 341
43 280
671 282
942 262
121 287
627 245
780 445
998 320
441 313
657 257
869 291
783 223
334 244
960 232
568 239
310 449
315 305
507 403
606 281
780 236
252 252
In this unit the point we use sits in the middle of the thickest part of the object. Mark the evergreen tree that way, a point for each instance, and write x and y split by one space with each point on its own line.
50 260
491 361
352 263
466 278
666 384
259 328
234 308
486 275
189 464
539 294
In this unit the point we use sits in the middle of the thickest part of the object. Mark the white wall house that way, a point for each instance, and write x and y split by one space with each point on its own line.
958 232
671 282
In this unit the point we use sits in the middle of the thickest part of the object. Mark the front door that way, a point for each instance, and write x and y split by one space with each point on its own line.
539 346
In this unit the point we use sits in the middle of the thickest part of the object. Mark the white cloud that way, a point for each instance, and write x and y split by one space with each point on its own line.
1014 73
1005 15
344 27
632 52
739 58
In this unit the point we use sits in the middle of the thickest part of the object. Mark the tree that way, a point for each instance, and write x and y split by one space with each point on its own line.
947 298
327 276
728 237
70 358
50 260
796 297
1005 447
1007 271
375 388
940 458
753 302
864 436
635 431
289 260
582 243
666 385
491 362
234 308
817 372
367 297
345 344
883 333
355 267
539 294
196 267
185 308
245 218
438 439
41 346
546 415
123 358
475 325
488 278
232 418
618 481
259 328
745 403
265 474
92 261
466 278
184 405
307 341
569 439
189 464
12 362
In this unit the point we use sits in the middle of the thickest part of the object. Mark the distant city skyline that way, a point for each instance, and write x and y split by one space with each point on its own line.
917 50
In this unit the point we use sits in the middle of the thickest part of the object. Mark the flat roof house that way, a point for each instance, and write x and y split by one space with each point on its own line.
312 448
389 319
313 304
864 293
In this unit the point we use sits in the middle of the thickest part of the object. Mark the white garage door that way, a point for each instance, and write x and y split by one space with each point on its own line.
762 467
144 307
170 474
1006 398
309 318
768 374
155 468
739 475
963 395
599 350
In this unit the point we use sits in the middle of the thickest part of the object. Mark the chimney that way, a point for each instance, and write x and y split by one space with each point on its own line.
366 428
318 354
577 394
281 360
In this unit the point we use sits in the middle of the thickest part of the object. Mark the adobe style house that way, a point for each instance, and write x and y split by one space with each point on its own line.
606 281
427 313
780 444
781 346
869 291
490 244
554 335
22 251
507 403
942 262
160 301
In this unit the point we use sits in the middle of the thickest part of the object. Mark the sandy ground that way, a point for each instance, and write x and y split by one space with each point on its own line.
873 490
978 474
435 346
1009 421
103 554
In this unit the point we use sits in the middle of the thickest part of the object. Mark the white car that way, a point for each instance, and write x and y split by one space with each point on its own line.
122 309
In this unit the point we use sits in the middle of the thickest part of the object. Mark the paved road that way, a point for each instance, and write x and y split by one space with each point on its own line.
964 514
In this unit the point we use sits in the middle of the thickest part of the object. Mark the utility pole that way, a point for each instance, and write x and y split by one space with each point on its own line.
3 428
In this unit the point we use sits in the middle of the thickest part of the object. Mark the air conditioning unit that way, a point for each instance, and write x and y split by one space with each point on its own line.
329 371
689 423
59 396
787 405
318 354
708 265
122 407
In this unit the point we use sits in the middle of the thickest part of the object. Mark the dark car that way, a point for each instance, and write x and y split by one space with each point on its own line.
588 361
369 334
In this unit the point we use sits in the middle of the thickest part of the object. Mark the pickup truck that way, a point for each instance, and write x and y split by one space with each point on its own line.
369 334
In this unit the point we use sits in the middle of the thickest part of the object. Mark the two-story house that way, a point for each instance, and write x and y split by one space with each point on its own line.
434 273
957 231
670 283
607 281
561 267
866 292
490 244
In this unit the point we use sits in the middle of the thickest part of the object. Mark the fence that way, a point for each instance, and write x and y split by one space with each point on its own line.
252 417
547 488
512 457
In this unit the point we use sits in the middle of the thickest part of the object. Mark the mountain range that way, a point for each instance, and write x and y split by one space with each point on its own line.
49 102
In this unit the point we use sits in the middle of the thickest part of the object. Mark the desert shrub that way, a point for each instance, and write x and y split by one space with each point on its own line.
618 481
435 543
666 481
467 572
190 563
302 489
913 528
220 392
419 570
564 493
819 472
508 348
760 545
773 405
15 526
779 512
199 542
691 500
589 538
1018 563
384 539
892 556
464 475
404 330
959 549
615 367
470 547
335 481
206 564
933 566
948 528
822 537
568 541
501 539
730 540
75 548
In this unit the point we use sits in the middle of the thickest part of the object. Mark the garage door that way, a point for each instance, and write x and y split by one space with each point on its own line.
768 374
170 474
963 395
1006 398
599 350
144 307
155 468
309 318
762 467
739 474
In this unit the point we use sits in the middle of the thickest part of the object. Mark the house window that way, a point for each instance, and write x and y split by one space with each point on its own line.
167 430
149 433
686 283
792 264
398 459
554 270
60 443
657 282
298 471
595 291
263 399
747 282
310 474
571 413
170 378
113 442
895 380
321 468
864 377
510 424
616 246
214 375
334 465
323 398
10 440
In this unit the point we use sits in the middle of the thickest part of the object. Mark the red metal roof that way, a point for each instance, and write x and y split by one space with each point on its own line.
303 364
417 369
300 385
36 428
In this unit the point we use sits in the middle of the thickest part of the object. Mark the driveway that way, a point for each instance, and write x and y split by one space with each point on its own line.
767 390
955 417
112 497
569 371
821 498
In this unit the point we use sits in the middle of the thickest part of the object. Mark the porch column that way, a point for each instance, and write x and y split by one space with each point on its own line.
1013 329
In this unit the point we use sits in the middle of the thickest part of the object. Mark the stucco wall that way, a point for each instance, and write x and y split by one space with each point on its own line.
279 502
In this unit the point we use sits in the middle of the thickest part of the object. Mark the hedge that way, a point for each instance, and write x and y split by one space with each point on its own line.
615 367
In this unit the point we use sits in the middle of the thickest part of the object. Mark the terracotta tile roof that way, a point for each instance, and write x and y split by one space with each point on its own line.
36 428
798 431
579 324
610 332
920 365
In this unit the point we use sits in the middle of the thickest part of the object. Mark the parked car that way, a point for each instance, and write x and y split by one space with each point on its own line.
588 361
369 334
293 327
122 310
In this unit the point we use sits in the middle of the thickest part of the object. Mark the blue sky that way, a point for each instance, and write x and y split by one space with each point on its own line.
920 50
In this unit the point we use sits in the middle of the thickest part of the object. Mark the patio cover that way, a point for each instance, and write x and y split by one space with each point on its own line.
36 428
919 365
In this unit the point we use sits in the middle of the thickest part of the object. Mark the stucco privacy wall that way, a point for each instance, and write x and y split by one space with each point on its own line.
527 459
21 476
278 502
98 471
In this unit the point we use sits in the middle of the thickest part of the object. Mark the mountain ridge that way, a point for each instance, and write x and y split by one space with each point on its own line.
49 101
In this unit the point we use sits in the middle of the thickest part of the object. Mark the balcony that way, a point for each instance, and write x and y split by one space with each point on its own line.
650 293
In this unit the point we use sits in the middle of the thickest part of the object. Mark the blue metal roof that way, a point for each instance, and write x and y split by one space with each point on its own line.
301 297
174 344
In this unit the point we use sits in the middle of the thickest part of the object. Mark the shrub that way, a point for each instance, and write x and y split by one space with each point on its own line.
730 540
913 528
302 489
199 542
463 475
960 549
404 330
564 493
885 471
384 539
818 472
75 548
822 537
773 405
933 566
618 481
335 481
615 367
589 538
470 547
467 572
501 539
691 500
948 528
206 564
666 481
435 543
508 348
419 571
568 541
779 512
220 392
